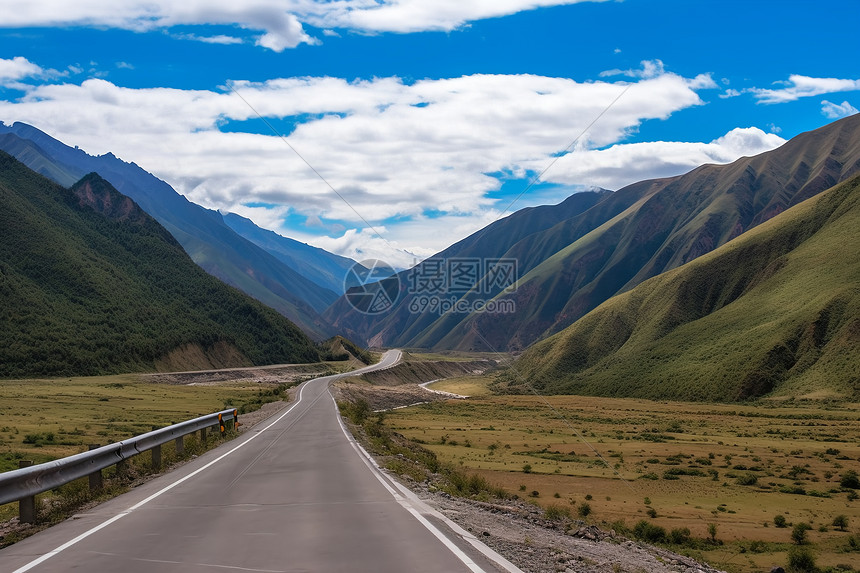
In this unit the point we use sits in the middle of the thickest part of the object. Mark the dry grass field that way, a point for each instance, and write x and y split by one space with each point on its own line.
677 465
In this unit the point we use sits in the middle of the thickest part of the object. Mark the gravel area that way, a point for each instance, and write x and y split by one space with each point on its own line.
518 531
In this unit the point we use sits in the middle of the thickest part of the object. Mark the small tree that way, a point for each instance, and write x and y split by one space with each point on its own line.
779 520
712 531
798 534
840 521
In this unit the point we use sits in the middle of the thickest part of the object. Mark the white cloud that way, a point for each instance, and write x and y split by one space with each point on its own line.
803 86
279 21
364 244
421 15
217 39
622 164
650 69
835 111
17 68
393 151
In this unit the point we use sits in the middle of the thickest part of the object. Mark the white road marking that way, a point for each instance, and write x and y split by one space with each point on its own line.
412 504
157 494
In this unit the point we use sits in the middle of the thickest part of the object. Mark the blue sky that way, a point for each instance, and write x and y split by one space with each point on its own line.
424 118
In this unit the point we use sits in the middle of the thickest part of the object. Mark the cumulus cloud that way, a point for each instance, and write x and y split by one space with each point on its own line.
799 86
420 15
279 21
835 111
16 69
393 151
622 164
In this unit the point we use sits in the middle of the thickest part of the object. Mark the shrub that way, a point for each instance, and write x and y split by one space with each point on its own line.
801 560
840 521
649 532
850 480
747 479
798 533
527 468
779 521
584 510
557 512
679 536
652 513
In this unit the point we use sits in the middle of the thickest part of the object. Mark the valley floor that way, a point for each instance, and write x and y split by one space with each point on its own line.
722 471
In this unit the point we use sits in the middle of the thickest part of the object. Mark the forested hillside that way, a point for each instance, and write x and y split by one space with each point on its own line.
90 284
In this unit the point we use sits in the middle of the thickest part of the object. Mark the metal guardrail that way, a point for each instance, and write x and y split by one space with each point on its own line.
25 483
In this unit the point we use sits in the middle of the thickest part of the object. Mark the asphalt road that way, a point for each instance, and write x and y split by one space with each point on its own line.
293 494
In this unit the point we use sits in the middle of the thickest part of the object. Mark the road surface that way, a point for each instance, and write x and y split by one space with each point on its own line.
295 493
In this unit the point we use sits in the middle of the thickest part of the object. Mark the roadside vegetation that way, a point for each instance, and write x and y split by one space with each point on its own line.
45 420
743 487
410 460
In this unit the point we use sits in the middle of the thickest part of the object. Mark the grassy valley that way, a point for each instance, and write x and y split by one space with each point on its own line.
671 473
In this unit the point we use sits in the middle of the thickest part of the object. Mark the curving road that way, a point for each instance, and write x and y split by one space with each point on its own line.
293 494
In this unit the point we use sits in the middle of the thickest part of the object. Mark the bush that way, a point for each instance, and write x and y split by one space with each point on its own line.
850 480
798 534
801 560
647 531
557 512
584 510
779 521
840 521
679 536
747 479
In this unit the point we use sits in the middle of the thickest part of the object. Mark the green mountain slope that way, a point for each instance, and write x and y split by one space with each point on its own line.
672 221
90 284
203 233
775 311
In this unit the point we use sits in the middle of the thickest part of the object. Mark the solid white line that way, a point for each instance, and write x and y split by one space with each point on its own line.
412 504
140 504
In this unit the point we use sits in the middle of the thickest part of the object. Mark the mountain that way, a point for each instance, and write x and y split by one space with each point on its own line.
774 311
672 221
402 324
203 233
318 265
91 284
640 231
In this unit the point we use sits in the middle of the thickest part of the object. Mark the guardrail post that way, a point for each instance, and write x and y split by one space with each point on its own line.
180 445
96 476
235 419
203 435
26 505
121 468
221 424
156 458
